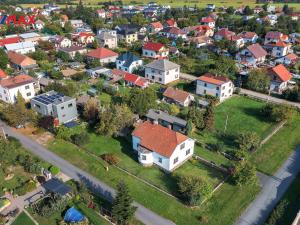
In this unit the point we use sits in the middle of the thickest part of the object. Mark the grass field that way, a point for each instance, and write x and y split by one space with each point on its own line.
23 219
177 3
229 201
271 155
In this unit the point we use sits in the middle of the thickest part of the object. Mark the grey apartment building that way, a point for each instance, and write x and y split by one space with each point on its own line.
56 105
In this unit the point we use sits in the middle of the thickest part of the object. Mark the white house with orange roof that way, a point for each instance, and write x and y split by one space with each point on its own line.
280 77
208 21
217 86
155 27
103 55
161 146
289 59
11 86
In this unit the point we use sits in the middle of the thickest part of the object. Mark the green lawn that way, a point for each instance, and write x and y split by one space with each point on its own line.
292 196
271 155
229 201
23 219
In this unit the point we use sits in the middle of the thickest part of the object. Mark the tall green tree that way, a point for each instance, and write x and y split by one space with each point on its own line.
244 174
209 118
122 209
4 59
140 101
258 80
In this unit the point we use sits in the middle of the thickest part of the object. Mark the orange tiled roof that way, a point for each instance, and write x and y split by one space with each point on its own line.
20 59
16 81
101 53
176 94
213 79
282 73
158 139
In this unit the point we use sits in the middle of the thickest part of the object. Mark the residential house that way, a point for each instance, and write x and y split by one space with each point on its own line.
201 41
22 47
166 120
62 108
208 21
3 75
278 49
128 62
155 50
280 77
248 37
173 33
104 30
76 23
107 40
9 40
39 25
11 86
290 59
127 33
71 51
252 55
258 9
30 37
83 39
178 97
21 62
161 146
218 86
101 13
162 71
104 55
131 80
295 16
200 30
60 41
170 23
224 33
210 7
275 36
155 27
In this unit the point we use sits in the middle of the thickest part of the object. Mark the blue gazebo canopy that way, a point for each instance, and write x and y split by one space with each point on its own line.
73 216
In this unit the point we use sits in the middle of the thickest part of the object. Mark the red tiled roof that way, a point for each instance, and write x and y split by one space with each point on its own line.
257 51
101 53
224 32
274 35
153 46
132 78
176 94
11 40
20 59
213 79
16 81
247 34
171 22
281 72
207 20
2 74
158 139
292 56
157 25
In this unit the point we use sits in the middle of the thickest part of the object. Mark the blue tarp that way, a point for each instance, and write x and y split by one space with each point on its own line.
71 124
73 216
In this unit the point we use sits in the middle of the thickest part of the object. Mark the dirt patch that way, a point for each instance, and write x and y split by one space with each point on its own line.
40 136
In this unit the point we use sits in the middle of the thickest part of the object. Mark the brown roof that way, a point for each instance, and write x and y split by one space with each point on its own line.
213 79
176 94
158 139
16 81
257 50
281 72
20 59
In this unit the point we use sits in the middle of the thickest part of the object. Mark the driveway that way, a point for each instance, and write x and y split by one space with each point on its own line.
268 98
188 77
273 189
143 214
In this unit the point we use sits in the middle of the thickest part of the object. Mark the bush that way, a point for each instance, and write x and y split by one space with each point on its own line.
54 170
25 188
277 213
110 158
80 139
278 113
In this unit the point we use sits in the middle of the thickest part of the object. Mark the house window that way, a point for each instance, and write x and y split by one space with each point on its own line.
62 107
160 79
27 87
204 92
159 159
205 84
38 106
28 94
188 152
175 160
152 77
217 88
217 95
63 115
182 146
70 105
144 157
222 94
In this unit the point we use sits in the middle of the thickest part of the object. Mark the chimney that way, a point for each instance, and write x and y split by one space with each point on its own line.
155 122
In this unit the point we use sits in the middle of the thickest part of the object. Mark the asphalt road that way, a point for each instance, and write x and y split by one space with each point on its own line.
273 189
143 214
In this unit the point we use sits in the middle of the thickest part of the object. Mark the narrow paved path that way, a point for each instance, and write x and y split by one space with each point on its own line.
268 98
273 189
189 77
143 214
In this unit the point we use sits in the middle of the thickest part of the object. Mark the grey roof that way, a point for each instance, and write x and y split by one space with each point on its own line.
160 115
29 35
54 185
51 97
129 58
162 64
16 46
105 36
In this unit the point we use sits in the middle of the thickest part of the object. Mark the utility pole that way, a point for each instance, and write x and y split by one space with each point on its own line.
226 122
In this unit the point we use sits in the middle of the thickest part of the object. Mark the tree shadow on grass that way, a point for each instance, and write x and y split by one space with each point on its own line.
256 113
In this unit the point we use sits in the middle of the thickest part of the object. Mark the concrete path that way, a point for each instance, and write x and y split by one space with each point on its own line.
273 188
143 214
268 98
188 77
